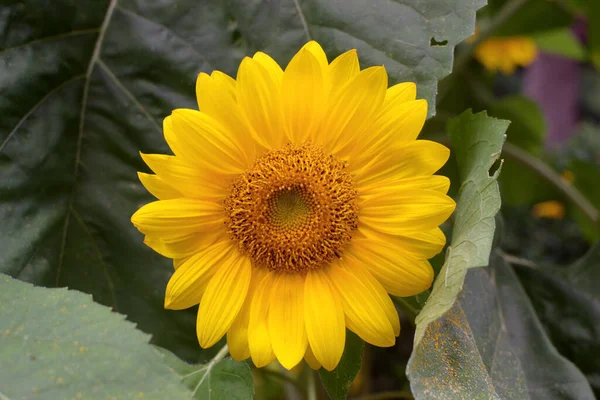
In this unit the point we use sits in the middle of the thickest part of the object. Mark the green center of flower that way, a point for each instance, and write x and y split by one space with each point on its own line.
295 209
289 208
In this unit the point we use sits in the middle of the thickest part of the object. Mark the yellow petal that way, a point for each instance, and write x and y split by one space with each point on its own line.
342 70
399 210
184 246
189 180
420 244
324 316
258 95
286 319
303 96
188 283
223 299
311 360
386 304
216 96
399 93
317 51
399 124
364 314
158 187
203 142
416 158
178 217
439 183
270 65
352 108
259 340
237 335
400 273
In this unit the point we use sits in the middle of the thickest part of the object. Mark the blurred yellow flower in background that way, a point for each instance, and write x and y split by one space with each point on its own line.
506 54
295 202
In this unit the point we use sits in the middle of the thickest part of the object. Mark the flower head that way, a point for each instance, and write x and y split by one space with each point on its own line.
295 202
505 54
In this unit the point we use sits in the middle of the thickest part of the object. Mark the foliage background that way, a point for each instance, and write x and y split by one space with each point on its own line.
84 86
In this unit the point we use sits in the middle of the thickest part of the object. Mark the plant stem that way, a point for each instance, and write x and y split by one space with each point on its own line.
547 173
312 387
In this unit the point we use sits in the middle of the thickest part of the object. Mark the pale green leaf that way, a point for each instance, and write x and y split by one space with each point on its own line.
476 142
57 344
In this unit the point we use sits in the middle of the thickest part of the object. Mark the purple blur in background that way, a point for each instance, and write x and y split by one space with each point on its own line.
554 83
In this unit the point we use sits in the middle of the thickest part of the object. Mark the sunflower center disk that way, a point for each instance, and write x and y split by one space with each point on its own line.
293 210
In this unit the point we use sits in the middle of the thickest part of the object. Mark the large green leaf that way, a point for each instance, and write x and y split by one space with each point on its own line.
476 141
59 344
491 345
85 85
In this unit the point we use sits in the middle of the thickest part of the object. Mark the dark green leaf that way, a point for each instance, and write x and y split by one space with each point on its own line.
219 379
59 344
570 316
491 345
85 85
337 382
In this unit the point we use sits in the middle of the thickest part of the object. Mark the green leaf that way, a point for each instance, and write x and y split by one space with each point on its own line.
491 345
219 379
337 382
59 344
85 85
561 42
570 315
476 141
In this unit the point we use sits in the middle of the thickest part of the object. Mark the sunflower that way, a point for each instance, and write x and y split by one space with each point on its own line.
505 54
295 201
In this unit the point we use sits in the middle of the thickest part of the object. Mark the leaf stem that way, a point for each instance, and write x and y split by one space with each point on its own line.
400 394
218 357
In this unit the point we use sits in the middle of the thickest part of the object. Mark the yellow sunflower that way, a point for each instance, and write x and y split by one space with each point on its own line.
505 54
295 202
